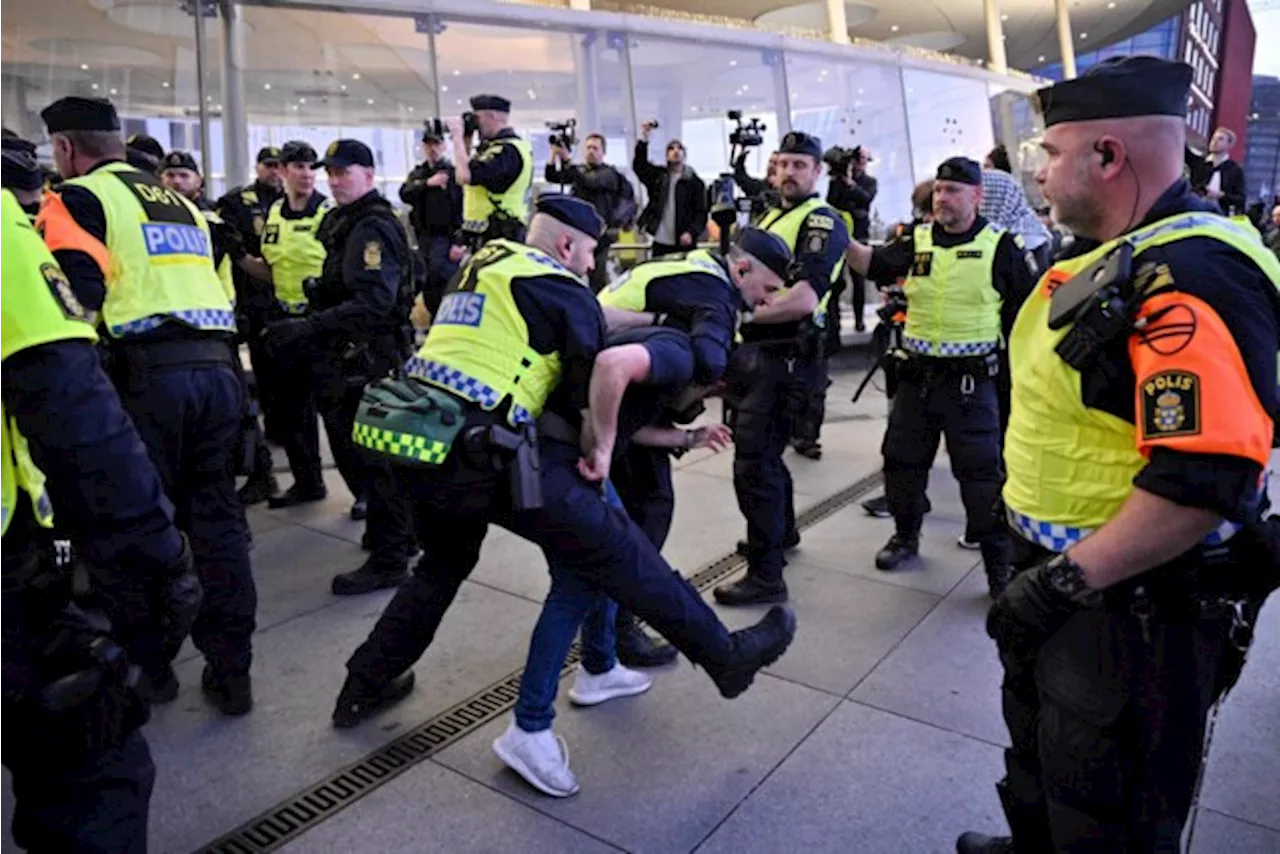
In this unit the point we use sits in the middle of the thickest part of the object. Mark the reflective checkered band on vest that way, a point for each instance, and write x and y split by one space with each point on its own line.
292 307
927 348
1058 538
212 319
399 444
467 387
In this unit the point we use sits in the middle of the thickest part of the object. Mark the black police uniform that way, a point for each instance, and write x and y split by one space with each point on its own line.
82 777
1106 693
497 171
357 332
181 388
21 172
245 209
455 502
764 419
951 395
435 213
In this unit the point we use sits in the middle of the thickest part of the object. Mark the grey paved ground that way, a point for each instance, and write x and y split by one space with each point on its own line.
878 732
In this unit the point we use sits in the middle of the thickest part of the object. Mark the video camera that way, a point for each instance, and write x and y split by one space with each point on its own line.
747 135
470 124
839 158
566 133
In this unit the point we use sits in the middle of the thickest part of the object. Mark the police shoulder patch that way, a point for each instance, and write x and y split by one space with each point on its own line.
373 255
1170 405
822 221
60 287
814 240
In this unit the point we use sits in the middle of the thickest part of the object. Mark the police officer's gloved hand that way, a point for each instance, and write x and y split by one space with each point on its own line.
283 335
1037 603
180 595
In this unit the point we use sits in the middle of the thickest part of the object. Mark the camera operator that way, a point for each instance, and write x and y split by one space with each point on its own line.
852 191
435 212
676 215
763 194
497 179
600 185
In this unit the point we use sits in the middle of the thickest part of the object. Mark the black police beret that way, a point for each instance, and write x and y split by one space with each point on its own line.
342 153
179 160
799 142
1120 87
268 154
77 113
148 145
297 151
491 102
574 213
769 248
18 168
962 170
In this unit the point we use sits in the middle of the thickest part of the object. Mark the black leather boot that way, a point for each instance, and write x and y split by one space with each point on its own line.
750 590
230 693
368 578
980 843
635 647
753 649
359 700
901 547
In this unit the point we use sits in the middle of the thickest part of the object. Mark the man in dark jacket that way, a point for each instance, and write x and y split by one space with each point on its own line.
435 201
853 192
603 187
676 214
1217 177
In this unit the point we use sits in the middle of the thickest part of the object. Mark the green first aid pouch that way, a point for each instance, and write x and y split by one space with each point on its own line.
409 421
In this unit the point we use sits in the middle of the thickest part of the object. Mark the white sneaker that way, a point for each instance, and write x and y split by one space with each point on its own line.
966 543
591 690
541 758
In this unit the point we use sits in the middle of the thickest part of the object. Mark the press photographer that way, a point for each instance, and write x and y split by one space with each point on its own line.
676 214
851 191
763 194
496 177
435 211
597 183
724 202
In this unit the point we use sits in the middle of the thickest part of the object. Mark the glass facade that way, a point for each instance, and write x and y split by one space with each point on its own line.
1160 40
375 72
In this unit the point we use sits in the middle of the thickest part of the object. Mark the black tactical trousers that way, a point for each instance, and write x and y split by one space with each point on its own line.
1107 722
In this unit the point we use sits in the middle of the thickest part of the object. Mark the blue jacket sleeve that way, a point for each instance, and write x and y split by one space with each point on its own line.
106 493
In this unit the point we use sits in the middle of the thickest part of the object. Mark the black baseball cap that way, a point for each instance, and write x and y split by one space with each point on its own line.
574 213
342 153
268 154
962 170
770 249
799 142
179 160
75 112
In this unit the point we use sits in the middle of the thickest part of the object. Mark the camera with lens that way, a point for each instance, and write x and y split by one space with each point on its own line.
564 134
894 308
747 135
470 124
838 158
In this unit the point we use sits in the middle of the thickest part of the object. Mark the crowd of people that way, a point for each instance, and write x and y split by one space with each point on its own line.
1108 403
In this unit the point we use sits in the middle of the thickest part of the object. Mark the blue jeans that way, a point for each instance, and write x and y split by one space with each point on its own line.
572 602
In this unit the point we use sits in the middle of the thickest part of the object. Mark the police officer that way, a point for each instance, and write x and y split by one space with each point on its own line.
1135 453
291 246
82 771
435 213
357 331
169 321
245 209
965 279
516 342
144 152
789 332
251 457
700 293
497 180
21 173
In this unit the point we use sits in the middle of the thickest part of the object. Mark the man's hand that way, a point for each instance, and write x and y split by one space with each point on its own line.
438 179
645 129
284 335
1213 194
559 152
454 128
1035 605
686 239
597 456
456 254
717 437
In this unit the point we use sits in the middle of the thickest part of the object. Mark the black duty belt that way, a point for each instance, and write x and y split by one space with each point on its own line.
557 428
171 355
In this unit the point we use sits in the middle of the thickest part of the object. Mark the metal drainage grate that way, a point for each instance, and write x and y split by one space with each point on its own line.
291 818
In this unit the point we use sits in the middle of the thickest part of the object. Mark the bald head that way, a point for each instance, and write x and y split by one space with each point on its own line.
572 248
1102 177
